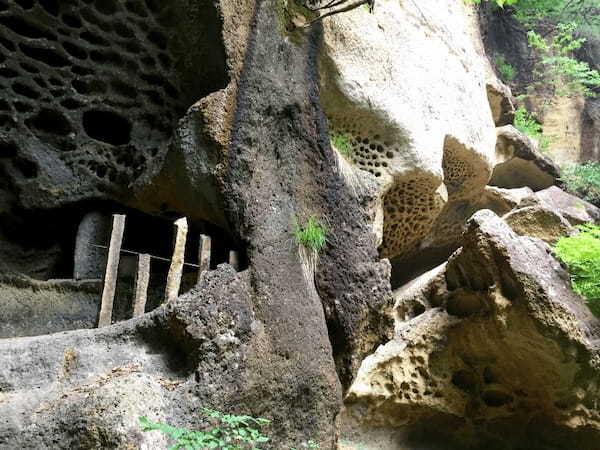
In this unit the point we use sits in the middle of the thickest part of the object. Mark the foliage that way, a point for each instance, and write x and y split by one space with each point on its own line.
526 123
566 75
533 13
342 143
499 3
507 71
583 180
312 235
229 432
583 13
581 253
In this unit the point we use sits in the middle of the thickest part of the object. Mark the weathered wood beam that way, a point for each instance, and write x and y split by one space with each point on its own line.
112 268
176 269
142 279
203 255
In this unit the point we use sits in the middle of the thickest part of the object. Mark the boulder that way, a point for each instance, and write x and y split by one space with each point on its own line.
574 209
504 344
502 201
539 222
501 103
520 164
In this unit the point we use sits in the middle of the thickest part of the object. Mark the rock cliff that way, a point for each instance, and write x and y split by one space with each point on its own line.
435 316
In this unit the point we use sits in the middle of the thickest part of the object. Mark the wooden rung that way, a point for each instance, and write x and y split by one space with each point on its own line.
142 280
234 259
112 269
203 255
176 269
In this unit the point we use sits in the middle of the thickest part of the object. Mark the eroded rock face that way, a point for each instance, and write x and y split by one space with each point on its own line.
92 92
502 342
425 134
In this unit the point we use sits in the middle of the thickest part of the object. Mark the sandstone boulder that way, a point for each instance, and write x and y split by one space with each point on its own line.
508 346
501 103
502 201
574 209
520 164
539 222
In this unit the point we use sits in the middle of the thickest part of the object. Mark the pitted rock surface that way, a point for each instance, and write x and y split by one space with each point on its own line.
91 92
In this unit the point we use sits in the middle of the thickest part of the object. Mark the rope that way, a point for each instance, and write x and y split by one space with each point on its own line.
151 256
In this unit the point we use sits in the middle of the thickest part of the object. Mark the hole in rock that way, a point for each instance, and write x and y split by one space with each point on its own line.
8 149
89 87
71 21
496 398
25 4
74 50
7 72
107 126
47 56
465 380
51 122
106 7
24 28
464 303
27 168
51 6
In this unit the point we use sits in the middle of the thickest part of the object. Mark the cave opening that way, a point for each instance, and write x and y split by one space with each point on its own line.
40 266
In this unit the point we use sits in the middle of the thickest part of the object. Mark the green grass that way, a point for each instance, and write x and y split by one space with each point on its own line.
581 253
342 143
312 235
507 71
526 123
583 181
227 432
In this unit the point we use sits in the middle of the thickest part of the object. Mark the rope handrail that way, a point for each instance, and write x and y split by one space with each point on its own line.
151 256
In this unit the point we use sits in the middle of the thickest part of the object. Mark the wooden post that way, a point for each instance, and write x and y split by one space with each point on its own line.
234 259
142 279
112 268
176 269
203 255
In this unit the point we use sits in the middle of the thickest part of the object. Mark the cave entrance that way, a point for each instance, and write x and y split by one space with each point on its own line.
42 284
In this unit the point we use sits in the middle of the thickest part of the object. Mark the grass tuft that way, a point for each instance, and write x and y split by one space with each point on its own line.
581 253
312 235
342 143
583 181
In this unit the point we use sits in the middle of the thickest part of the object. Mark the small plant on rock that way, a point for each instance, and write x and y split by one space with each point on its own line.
507 71
583 181
229 432
581 253
526 123
342 143
312 235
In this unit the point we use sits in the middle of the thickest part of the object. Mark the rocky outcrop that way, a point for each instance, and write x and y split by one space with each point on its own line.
502 201
539 222
501 341
574 209
426 142
501 103
520 164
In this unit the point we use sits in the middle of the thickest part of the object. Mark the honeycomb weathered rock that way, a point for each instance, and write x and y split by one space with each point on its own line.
90 92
